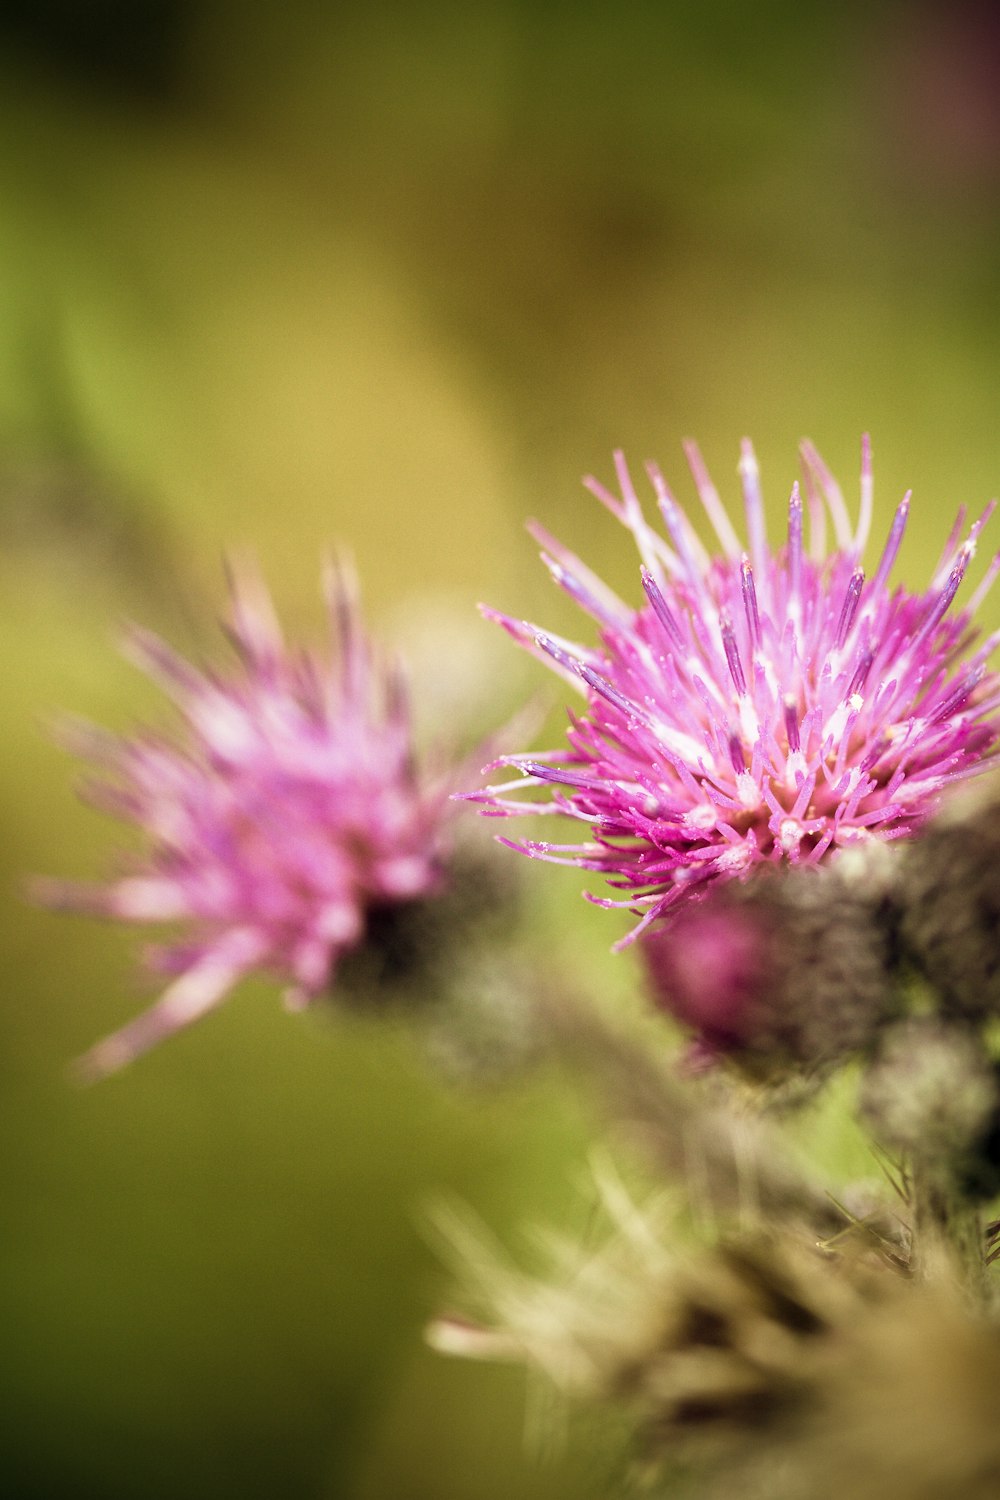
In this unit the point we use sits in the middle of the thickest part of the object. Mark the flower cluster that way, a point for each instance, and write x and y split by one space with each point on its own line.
752 737
762 705
286 812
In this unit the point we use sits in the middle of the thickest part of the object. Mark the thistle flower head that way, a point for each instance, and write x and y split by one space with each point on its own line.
284 811
772 703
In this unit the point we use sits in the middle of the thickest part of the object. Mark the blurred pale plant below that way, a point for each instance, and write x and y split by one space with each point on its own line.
285 276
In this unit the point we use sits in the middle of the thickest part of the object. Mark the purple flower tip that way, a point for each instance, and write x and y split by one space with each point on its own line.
771 704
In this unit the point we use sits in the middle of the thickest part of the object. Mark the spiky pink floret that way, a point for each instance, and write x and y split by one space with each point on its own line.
761 705
286 807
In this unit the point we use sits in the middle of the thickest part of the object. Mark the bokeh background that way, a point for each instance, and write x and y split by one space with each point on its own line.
276 275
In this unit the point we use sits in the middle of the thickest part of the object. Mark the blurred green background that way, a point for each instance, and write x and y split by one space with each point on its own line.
276 275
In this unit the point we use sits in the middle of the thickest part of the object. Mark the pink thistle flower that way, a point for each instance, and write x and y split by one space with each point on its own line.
285 811
767 705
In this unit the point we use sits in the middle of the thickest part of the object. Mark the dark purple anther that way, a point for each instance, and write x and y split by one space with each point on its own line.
875 754
892 544
607 691
861 674
750 602
561 775
572 663
957 698
792 723
732 655
736 754
940 605
850 606
661 609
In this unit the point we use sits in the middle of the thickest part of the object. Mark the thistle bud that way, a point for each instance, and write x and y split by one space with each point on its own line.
932 1095
949 893
790 968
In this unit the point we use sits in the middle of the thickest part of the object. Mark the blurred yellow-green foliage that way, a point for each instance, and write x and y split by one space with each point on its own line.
278 275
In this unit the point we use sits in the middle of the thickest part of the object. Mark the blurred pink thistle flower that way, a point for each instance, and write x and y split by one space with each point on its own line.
287 808
762 705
